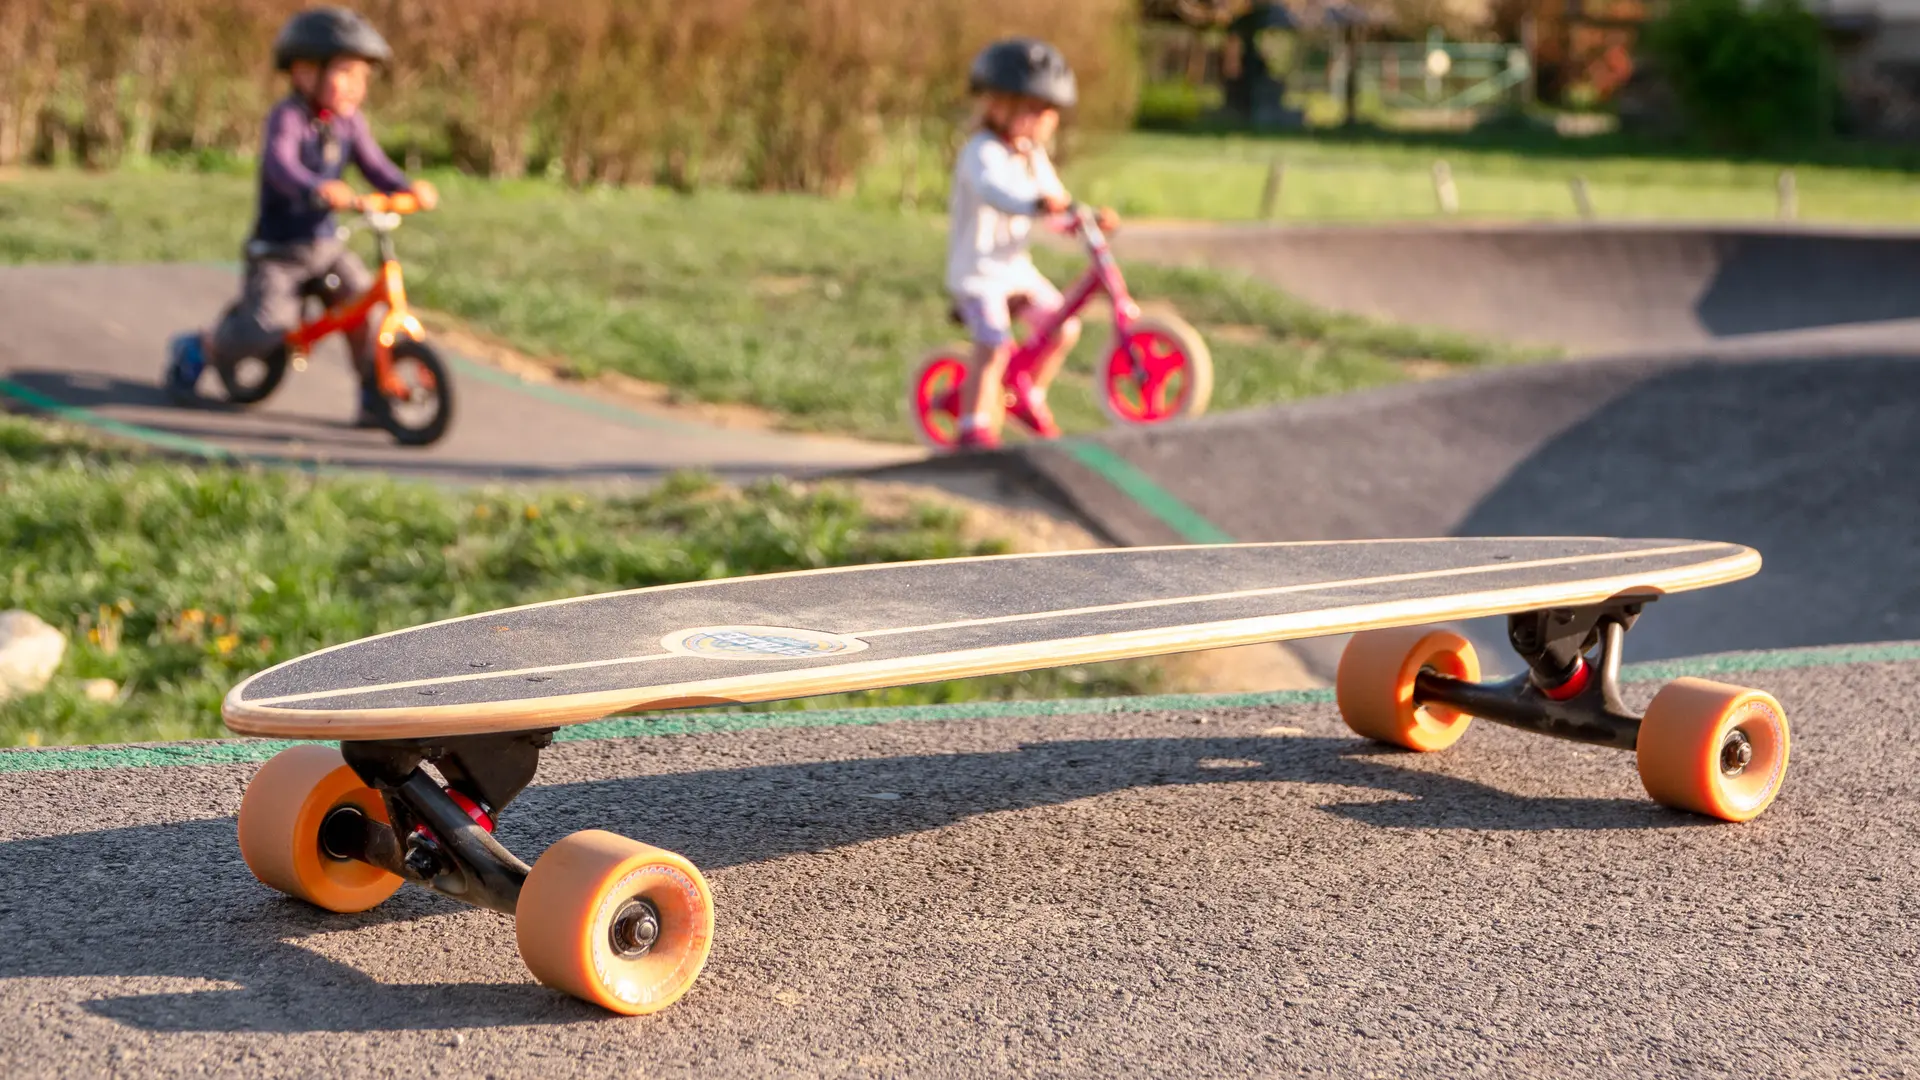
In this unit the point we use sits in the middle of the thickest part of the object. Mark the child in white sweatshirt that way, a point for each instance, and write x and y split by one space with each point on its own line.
1002 181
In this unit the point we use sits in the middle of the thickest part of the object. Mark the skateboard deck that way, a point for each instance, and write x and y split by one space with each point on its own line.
629 926
826 631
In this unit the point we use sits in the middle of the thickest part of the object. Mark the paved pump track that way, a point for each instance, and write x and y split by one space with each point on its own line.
1600 288
88 343
1231 884
1770 397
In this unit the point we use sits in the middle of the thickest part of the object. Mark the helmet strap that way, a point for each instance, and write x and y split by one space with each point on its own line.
312 102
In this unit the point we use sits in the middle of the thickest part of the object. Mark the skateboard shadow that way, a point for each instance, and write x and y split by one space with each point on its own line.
175 902
794 809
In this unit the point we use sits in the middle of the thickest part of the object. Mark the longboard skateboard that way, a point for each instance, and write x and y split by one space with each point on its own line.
629 926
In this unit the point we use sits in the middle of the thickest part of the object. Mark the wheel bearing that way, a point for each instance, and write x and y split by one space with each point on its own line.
635 929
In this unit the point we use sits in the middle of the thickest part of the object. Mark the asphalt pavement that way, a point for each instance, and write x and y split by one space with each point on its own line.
1207 892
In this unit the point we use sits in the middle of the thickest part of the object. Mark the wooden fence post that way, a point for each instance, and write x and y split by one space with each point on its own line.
1581 203
1444 190
1270 194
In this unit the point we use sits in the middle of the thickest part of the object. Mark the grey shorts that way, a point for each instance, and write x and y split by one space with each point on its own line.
270 298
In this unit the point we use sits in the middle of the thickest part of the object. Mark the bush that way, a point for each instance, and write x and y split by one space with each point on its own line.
1174 104
1747 77
772 94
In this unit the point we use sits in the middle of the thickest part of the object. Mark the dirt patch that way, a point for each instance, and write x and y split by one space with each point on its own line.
1024 524
1240 334
1242 669
643 396
1420 370
1156 308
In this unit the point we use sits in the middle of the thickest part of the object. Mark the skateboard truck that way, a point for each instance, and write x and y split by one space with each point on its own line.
440 837
1701 746
1561 693
607 919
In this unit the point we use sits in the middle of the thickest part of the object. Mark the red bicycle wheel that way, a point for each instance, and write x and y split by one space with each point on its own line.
933 398
1175 376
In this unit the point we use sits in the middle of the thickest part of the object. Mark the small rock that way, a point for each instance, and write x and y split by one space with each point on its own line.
459 1040
30 653
100 689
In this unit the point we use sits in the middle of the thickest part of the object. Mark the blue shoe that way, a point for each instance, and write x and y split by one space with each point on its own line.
375 411
185 361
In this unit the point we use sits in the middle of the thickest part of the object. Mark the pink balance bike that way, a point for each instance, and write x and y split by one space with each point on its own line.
1155 369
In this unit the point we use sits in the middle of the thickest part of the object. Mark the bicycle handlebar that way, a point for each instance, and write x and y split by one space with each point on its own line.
404 202
1086 222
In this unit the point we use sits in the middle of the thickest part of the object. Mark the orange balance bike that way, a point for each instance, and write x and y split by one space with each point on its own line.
407 371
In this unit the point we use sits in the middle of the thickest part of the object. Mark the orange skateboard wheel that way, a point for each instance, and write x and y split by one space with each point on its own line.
280 817
615 922
1713 749
1374 685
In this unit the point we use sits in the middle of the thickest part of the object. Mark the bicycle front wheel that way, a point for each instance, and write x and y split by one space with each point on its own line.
1161 371
422 415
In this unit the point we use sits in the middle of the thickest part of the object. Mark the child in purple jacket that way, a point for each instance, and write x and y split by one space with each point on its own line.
311 137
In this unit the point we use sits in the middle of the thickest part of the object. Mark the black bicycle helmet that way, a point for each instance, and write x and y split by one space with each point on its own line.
1024 66
323 33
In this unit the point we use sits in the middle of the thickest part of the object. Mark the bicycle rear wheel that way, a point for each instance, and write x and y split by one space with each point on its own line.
250 380
933 397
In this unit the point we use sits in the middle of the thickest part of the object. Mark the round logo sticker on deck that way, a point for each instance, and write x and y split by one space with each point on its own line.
759 643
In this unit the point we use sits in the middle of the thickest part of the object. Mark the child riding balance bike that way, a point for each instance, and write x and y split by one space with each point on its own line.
1155 368
297 252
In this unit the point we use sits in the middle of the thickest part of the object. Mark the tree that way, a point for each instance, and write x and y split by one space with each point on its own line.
1747 77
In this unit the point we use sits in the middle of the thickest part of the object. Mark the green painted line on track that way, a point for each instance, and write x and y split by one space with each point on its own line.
158 439
165 440
1184 520
142 756
250 751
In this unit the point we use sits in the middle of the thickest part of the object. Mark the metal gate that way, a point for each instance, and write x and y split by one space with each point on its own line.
1439 74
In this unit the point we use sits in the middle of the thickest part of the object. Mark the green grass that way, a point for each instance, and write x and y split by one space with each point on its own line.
178 581
812 308
1386 177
